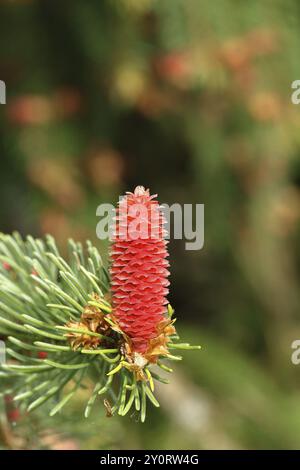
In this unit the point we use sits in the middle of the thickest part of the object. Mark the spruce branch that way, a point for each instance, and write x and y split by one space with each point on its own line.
56 320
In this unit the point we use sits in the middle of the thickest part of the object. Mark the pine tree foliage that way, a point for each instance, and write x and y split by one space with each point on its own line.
53 316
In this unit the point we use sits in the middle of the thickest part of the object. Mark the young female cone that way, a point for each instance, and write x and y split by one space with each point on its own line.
139 268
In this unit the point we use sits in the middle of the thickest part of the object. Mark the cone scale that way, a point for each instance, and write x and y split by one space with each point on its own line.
139 268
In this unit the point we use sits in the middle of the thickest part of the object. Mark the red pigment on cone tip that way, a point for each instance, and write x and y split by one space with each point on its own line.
139 267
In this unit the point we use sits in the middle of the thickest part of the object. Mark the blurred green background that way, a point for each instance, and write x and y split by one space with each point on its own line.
191 98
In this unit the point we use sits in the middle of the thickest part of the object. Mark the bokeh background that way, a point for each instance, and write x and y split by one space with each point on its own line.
191 98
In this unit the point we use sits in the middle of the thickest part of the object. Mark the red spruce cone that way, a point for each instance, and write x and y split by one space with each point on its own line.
139 267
